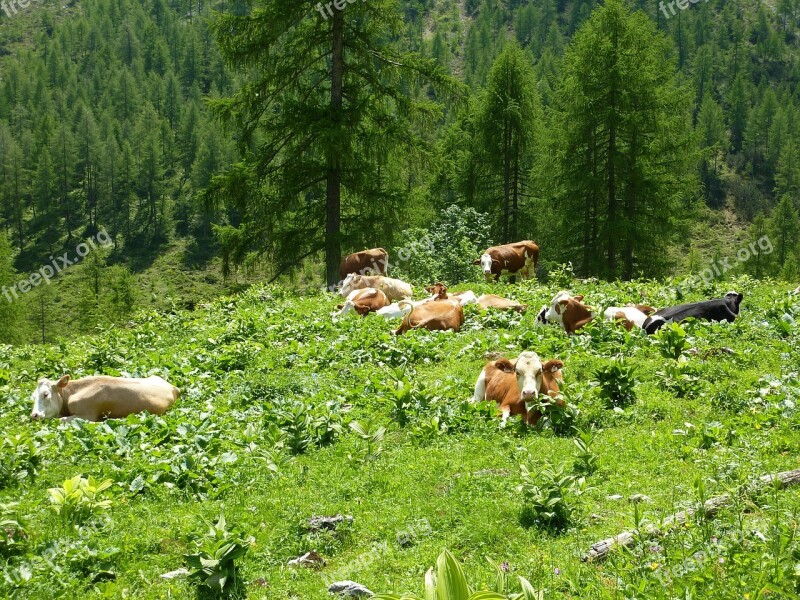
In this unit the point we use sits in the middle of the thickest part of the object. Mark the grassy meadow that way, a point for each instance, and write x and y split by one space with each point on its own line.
286 415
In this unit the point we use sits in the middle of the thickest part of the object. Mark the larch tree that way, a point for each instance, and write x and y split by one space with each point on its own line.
509 116
624 152
325 117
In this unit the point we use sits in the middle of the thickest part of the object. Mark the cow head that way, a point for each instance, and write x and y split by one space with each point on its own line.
733 300
555 312
350 283
438 289
486 264
529 371
47 400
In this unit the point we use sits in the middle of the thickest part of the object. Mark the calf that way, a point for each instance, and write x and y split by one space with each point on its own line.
440 315
393 288
565 310
99 398
510 259
630 316
367 261
363 302
512 384
721 309
439 290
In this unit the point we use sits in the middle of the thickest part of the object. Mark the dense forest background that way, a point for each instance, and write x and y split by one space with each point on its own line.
111 116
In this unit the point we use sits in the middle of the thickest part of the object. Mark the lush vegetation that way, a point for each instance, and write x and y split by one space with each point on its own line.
286 415
108 119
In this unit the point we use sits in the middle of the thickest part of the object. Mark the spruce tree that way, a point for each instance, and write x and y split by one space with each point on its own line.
325 107
624 153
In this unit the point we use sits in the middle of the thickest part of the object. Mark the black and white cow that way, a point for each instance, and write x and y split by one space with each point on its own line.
722 309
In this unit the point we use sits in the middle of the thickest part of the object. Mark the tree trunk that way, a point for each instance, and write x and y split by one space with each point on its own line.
334 183
612 183
506 179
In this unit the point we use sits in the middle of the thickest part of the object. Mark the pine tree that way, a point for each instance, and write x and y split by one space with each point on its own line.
784 228
623 145
326 109
12 307
509 115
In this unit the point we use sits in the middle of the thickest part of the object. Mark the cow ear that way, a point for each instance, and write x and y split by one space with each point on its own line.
579 298
477 261
648 310
505 365
63 381
552 366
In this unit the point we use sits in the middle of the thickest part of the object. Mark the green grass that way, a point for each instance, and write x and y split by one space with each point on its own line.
245 361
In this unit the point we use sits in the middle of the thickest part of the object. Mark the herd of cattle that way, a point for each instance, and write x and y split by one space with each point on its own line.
366 288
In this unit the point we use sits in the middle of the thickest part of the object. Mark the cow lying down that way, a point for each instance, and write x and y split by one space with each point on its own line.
567 311
99 398
630 316
362 302
439 315
721 309
485 301
512 383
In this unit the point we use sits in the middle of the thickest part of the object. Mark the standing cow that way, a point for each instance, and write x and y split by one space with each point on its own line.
366 262
510 259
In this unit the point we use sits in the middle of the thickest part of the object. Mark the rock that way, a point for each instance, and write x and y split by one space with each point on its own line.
311 560
349 589
319 523
639 498
614 497
175 574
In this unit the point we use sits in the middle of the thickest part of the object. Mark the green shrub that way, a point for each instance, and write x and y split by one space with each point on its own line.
21 457
616 383
549 496
214 562
449 582
78 499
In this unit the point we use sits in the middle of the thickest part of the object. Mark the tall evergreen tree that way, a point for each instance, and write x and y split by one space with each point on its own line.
326 108
623 148
509 115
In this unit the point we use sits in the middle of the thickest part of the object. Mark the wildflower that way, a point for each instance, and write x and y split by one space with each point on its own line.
505 567
557 571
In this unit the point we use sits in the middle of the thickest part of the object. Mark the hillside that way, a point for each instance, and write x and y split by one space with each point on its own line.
263 434
105 124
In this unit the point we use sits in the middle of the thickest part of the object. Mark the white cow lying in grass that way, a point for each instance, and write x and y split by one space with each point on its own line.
395 289
99 398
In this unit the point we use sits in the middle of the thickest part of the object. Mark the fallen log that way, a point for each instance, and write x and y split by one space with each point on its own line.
600 550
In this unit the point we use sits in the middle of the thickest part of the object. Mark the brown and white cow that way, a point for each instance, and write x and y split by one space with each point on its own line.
395 289
499 303
567 311
439 315
100 397
510 259
363 302
439 290
514 383
630 316
365 262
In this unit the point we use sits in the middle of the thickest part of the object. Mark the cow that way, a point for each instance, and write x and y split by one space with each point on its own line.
567 311
363 302
514 383
439 290
393 288
509 259
720 309
366 262
498 302
440 315
630 316
99 398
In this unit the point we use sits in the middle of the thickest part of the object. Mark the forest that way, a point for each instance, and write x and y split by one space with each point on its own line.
154 122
